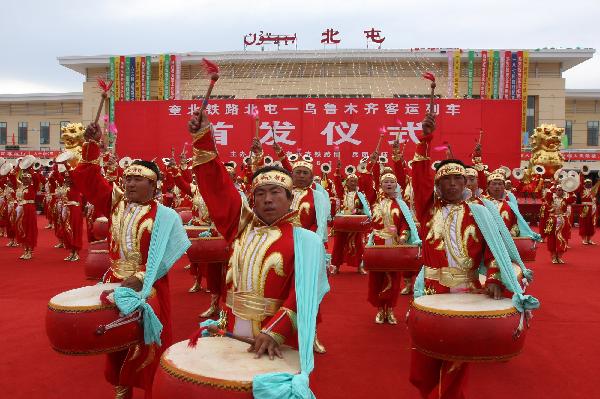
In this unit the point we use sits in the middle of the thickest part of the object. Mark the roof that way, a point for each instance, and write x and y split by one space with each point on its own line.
582 94
41 97
568 57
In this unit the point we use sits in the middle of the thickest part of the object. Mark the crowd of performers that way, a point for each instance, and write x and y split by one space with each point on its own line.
258 207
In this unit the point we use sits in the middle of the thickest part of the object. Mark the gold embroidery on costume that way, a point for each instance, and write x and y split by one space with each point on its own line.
274 261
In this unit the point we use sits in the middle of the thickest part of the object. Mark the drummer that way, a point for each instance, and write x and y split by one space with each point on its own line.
349 246
26 216
262 289
390 227
453 249
558 201
137 221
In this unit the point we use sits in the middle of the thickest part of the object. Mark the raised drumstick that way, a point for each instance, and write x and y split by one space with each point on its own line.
212 71
430 76
105 87
215 330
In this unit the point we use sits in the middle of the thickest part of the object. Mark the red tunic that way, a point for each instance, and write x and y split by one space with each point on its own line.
269 273
130 231
72 217
347 247
26 216
557 221
587 217
389 228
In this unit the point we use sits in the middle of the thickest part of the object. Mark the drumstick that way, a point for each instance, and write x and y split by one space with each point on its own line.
214 329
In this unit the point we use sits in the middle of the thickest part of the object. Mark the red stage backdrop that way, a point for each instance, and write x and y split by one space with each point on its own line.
149 129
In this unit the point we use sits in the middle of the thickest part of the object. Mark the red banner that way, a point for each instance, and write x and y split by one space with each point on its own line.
149 129
37 154
571 155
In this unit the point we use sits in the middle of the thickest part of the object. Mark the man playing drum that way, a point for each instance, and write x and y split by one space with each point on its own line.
453 249
390 227
142 238
267 249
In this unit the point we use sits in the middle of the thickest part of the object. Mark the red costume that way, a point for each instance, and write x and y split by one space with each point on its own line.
587 218
447 267
72 219
26 216
130 230
557 220
267 277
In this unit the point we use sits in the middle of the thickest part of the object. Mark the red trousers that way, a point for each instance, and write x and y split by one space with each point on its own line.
586 222
437 379
27 231
348 248
384 288
73 227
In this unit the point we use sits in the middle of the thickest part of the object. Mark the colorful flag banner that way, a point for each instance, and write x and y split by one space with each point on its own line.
148 77
519 75
524 81
507 75
166 76
131 78
450 89
127 79
111 107
498 75
501 80
484 74
142 78
177 77
138 78
171 76
121 78
490 78
456 73
513 76
470 74
161 77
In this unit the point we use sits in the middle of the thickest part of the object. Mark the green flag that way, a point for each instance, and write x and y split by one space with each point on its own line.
565 141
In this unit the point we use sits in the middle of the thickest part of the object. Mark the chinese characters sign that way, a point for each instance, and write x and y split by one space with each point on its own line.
317 126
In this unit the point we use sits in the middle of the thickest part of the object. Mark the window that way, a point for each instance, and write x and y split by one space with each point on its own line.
569 131
62 124
2 133
592 133
44 133
22 133
530 122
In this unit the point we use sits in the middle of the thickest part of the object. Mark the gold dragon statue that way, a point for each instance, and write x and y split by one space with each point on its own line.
545 150
72 136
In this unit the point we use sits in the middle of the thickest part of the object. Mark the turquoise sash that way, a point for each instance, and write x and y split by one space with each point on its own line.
168 243
311 286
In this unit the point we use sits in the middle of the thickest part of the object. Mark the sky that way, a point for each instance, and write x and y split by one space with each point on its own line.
34 33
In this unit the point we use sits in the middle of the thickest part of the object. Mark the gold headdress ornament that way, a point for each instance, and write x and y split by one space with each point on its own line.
450 169
498 174
140 170
272 177
304 162
471 172
387 176
587 181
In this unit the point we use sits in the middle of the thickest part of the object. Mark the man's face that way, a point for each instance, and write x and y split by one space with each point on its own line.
588 184
271 202
559 191
388 185
451 188
302 177
25 179
472 183
496 189
138 189
351 183
317 179
508 185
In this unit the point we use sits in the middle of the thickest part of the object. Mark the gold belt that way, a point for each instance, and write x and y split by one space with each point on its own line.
587 203
71 203
250 306
450 276
123 268
26 202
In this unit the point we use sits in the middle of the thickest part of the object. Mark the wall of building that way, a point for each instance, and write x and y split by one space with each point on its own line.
34 114
580 111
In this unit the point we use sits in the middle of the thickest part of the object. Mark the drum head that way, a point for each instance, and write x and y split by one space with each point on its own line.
81 297
464 304
225 361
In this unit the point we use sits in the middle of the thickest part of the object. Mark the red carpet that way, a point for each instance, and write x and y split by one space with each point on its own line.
364 360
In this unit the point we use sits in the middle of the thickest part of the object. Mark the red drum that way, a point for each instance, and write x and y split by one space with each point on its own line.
97 261
75 318
206 249
465 327
185 214
527 248
217 368
351 223
101 228
392 258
